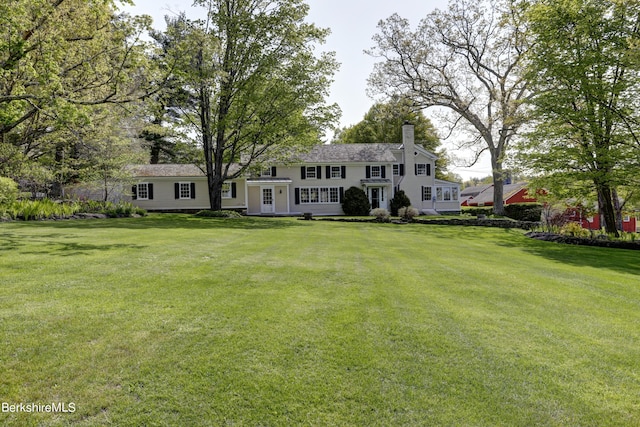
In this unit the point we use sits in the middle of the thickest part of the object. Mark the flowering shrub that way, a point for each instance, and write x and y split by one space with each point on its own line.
381 214
408 213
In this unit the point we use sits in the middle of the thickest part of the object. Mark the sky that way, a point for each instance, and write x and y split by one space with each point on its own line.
353 24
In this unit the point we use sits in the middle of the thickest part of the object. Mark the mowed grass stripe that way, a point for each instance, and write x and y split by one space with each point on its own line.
178 320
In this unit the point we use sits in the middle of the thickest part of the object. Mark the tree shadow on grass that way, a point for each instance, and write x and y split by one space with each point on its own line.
620 260
55 244
172 221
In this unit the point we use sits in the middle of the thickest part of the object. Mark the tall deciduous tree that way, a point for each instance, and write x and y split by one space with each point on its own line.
257 90
58 60
467 60
586 72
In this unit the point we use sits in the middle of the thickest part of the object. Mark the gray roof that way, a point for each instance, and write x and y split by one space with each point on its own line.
167 170
345 153
171 170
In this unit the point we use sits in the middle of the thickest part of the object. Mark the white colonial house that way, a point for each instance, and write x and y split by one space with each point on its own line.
314 182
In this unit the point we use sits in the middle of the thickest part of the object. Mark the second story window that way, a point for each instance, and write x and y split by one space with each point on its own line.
423 169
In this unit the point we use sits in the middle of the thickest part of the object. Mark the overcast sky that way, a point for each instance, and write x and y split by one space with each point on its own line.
353 23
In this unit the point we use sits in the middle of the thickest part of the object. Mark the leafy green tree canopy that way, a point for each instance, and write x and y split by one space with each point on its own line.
586 74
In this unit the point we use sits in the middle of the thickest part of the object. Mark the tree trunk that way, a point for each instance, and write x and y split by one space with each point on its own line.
607 210
498 186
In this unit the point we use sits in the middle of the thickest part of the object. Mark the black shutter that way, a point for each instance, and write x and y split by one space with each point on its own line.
383 171
150 186
303 173
428 169
416 169
273 171
422 191
176 188
193 190
343 171
368 173
134 192
341 194
328 169
319 172
234 190
401 169
297 196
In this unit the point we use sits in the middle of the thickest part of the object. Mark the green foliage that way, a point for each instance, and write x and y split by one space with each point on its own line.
524 211
50 209
399 200
41 209
61 63
584 70
355 202
218 214
478 210
8 191
254 87
574 229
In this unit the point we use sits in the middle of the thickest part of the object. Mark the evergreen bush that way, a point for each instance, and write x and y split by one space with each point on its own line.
524 211
356 202
399 200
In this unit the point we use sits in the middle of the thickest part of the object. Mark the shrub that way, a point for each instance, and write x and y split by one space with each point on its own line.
524 211
41 209
574 229
399 200
408 213
218 214
381 214
355 202
475 211
8 191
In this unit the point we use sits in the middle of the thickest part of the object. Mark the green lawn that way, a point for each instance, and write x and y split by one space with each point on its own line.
176 320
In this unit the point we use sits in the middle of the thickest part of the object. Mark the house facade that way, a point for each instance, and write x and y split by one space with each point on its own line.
313 182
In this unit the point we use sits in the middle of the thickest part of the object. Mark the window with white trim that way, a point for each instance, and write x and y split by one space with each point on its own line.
376 171
421 169
185 190
336 172
426 193
143 191
319 195
226 190
266 172
396 170
446 194
310 172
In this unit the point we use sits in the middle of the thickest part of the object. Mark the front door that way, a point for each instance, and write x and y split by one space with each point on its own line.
266 200
375 197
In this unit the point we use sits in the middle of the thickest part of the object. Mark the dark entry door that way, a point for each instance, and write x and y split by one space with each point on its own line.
375 198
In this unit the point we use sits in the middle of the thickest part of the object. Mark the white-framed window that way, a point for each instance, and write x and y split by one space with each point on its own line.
226 190
310 172
422 169
266 172
426 193
446 194
336 172
143 191
322 195
184 190
396 170
376 171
